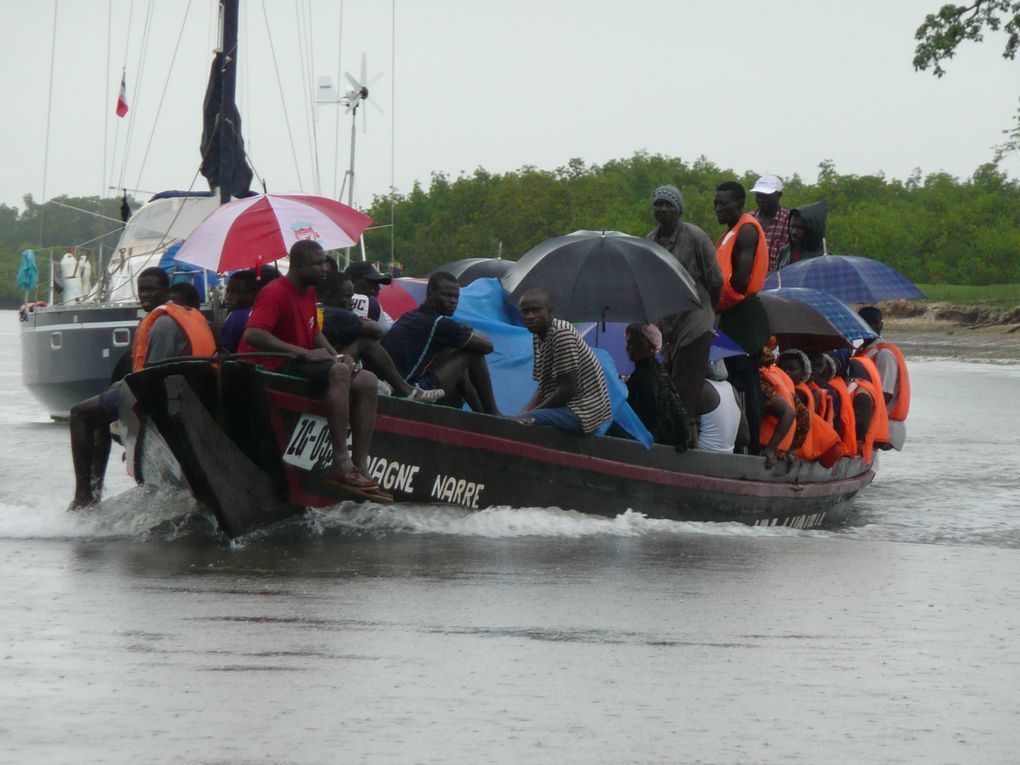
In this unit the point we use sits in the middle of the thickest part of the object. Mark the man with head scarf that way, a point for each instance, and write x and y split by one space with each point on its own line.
649 391
687 337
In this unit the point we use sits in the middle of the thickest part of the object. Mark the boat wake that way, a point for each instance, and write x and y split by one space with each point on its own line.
507 522
166 515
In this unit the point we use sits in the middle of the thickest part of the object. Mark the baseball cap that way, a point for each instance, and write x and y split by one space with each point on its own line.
362 269
767 184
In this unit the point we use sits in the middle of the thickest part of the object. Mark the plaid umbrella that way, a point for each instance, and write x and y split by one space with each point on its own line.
851 279
839 314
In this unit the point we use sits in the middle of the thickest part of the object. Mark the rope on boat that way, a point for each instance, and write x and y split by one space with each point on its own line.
146 29
283 100
162 98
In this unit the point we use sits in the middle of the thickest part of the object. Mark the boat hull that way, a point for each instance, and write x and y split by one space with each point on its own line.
68 353
241 427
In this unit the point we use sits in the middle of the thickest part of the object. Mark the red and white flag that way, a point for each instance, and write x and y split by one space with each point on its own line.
122 106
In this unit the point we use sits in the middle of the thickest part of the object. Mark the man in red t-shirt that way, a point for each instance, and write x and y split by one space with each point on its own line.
283 320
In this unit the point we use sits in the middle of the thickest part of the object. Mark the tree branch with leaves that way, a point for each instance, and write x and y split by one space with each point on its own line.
941 34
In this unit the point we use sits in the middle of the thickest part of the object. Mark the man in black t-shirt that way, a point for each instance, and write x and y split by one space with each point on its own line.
359 337
435 351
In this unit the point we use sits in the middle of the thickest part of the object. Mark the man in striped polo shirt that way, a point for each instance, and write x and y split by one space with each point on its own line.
572 393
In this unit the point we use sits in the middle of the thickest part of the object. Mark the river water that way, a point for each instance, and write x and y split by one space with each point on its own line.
403 634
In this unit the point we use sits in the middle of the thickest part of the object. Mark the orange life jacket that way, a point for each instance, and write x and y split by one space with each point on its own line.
880 419
822 440
190 320
847 420
784 388
867 447
902 408
724 252
822 402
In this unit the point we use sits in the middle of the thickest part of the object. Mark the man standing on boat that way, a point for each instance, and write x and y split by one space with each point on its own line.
284 321
433 351
894 380
743 259
167 331
774 219
572 393
687 337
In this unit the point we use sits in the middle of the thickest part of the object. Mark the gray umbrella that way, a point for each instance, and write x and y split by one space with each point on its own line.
467 270
593 275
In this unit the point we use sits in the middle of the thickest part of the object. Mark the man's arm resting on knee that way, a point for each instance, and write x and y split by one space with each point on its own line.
566 387
267 341
478 343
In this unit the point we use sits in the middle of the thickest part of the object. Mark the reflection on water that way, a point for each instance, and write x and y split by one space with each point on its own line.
414 634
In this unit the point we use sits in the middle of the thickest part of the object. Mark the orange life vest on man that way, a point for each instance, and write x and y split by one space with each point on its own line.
845 415
822 401
190 320
880 419
866 448
902 408
724 252
781 381
822 442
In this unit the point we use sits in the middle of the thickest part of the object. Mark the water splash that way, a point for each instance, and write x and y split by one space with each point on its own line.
139 512
507 522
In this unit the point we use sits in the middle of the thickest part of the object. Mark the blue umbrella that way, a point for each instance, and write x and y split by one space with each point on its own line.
851 279
839 314
28 273
613 340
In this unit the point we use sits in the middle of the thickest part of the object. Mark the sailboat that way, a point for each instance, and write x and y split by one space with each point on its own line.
70 350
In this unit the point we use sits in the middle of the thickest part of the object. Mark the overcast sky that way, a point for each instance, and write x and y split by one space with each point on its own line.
768 87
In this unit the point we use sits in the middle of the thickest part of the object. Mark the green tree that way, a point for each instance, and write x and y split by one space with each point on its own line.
943 32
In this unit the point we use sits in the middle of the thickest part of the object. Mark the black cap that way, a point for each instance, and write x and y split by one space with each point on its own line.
362 269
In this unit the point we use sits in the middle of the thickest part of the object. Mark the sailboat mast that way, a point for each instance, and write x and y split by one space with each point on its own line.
228 87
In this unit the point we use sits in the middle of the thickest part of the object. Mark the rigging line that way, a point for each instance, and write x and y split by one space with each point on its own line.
279 82
146 29
162 98
49 111
312 108
87 212
106 113
49 103
303 45
339 74
101 236
393 128
123 69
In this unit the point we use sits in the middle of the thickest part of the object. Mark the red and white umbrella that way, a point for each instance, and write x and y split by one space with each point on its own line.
249 232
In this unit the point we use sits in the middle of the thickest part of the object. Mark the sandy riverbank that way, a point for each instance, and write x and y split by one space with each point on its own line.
967 335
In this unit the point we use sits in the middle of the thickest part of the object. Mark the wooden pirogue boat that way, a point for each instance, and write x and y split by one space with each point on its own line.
252 446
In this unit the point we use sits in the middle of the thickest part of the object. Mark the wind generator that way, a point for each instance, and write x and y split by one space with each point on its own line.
352 101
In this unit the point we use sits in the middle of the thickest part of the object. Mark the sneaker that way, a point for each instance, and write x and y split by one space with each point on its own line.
425 396
384 388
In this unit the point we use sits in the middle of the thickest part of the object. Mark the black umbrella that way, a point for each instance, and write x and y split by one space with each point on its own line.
593 275
467 270
800 325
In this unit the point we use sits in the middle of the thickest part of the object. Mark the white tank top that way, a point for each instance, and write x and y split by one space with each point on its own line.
717 430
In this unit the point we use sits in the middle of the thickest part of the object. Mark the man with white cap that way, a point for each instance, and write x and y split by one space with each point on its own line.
775 220
687 337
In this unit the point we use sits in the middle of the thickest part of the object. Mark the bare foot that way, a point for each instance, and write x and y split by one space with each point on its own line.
82 503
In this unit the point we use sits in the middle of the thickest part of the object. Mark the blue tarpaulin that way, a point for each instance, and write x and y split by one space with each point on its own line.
171 266
28 273
483 305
